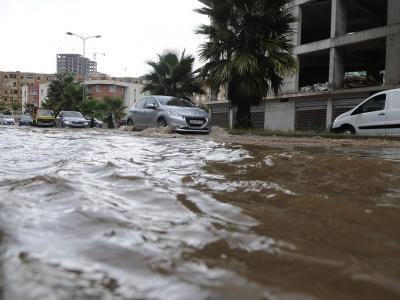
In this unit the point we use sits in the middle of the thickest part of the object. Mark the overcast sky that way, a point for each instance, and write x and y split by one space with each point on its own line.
133 31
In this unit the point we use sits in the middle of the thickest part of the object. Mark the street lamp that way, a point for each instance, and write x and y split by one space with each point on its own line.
84 38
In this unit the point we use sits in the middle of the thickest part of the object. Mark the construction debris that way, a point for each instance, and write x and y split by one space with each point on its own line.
317 87
359 81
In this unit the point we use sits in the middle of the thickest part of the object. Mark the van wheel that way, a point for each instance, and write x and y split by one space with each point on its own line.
161 122
347 129
129 122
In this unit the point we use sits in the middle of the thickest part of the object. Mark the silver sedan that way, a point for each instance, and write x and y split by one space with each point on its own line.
178 114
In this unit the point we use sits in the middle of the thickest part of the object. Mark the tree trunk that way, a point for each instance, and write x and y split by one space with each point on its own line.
243 116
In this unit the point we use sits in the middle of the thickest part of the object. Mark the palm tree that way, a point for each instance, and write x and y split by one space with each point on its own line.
248 49
173 76
64 94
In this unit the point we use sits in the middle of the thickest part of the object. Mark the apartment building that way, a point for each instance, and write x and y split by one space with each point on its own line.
11 84
34 94
130 92
347 50
75 64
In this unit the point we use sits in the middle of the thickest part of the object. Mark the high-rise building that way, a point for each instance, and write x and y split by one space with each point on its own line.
75 64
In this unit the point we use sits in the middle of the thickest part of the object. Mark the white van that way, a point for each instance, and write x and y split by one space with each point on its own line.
378 115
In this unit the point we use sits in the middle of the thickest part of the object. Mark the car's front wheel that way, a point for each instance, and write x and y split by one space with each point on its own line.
129 122
161 122
347 129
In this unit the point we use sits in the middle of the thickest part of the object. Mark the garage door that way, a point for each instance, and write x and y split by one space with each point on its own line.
311 115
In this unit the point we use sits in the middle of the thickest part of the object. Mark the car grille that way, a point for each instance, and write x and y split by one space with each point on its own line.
195 121
77 122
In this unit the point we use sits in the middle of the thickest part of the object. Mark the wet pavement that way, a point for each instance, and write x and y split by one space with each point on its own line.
97 214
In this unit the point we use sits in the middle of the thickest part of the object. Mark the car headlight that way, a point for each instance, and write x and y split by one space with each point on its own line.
67 122
175 114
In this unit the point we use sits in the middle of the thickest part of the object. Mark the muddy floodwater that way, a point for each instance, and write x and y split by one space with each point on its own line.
98 214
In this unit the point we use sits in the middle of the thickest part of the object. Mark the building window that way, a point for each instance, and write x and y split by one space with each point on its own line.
111 88
14 84
98 88
22 77
29 76
122 91
5 76
38 78
13 76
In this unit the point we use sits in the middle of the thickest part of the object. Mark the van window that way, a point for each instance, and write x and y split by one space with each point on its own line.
376 103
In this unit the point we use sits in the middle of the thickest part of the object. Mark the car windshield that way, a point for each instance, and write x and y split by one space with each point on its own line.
172 101
7 116
72 114
26 118
45 113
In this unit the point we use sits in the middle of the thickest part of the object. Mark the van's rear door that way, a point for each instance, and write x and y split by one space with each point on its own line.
393 114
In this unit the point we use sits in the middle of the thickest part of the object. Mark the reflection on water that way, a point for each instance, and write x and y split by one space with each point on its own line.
117 215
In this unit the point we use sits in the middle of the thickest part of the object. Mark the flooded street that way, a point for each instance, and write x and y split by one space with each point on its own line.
97 214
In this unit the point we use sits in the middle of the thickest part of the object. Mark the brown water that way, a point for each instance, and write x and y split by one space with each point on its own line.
117 215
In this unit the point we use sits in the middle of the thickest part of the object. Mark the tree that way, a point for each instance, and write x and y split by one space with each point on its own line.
16 106
64 94
29 108
3 106
93 107
173 76
114 105
248 49
100 108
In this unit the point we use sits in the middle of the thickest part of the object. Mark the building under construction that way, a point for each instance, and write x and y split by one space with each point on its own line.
347 50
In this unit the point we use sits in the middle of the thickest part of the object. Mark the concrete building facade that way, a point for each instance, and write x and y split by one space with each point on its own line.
12 83
75 64
34 94
346 49
129 92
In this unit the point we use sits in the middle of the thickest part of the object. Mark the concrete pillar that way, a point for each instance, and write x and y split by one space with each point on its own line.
336 68
392 70
329 112
297 12
393 12
339 18
231 117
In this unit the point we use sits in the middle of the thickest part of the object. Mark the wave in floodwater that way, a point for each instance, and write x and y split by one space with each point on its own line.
97 214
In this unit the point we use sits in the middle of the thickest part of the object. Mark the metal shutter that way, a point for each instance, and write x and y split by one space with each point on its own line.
340 106
311 115
220 115
258 116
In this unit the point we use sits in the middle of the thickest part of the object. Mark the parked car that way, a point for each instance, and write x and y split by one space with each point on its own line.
178 114
7 120
43 117
71 119
97 122
25 120
377 115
